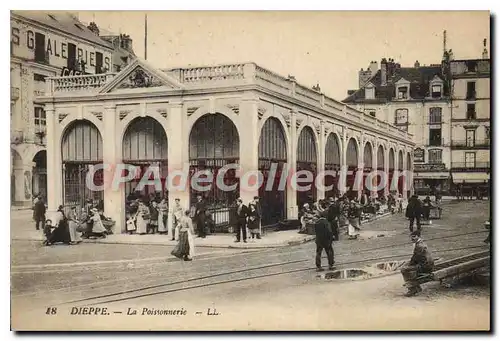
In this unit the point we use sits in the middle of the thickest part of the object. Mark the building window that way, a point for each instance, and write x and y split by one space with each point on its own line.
470 160
39 78
436 91
40 118
435 116
372 113
435 156
403 92
435 138
370 93
470 137
471 111
401 116
471 90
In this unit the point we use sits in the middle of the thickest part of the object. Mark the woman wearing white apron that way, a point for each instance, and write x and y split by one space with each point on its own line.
98 228
142 219
162 211
73 223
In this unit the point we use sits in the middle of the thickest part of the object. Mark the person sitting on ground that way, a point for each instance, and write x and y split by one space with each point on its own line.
324 240
420 263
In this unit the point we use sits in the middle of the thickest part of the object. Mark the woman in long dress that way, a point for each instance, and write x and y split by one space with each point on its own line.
98 229
185 247
142 219
60 234
162 211
73 223
253 221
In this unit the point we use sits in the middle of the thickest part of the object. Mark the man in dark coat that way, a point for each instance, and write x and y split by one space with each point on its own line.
241 221
200 217
421 263
324 240
258 208
39 212
333 217
414 211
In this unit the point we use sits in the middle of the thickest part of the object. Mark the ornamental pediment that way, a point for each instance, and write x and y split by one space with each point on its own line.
141 76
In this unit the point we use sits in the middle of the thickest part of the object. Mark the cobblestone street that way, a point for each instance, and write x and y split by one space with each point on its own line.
97 273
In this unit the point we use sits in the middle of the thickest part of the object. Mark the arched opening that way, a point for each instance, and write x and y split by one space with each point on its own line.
272 151
400 171
368 166
409 177
307 161
145 145
81 151
391 169
332 162
380 168
39 180
16 159
213 144
352 167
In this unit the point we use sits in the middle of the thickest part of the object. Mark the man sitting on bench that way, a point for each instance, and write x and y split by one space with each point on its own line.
421 263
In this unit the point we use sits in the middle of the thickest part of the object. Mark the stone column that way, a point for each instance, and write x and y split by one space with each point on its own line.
291 193
343 166
23 177
386 171
249 147
114 194
54 161
361 166
374 165
321 163
178 161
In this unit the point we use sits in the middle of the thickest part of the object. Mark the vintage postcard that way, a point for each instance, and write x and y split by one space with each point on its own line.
260 170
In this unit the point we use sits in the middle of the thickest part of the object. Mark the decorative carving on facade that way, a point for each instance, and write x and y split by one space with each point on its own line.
191 110
162 112
140 78
62 116
124 113
97 114
261 111
298 122
288 119
234 108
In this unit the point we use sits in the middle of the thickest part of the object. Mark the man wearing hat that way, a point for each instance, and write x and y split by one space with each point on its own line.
421 263
259 214
333 217
324 240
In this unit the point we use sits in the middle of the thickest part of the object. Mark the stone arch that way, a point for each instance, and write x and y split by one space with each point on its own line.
206 110
81 149
381 158
145 144
391 159
127 120
400 160
68 121
284 126
408 162
307 160
368 155
272 154
333 150
352 153
214 142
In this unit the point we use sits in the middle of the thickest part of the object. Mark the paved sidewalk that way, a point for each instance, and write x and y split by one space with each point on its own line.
22 228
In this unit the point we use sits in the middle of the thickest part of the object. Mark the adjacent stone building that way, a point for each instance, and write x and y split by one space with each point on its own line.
441 106
44 44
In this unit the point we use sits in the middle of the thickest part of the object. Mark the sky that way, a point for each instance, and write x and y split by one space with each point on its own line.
325 47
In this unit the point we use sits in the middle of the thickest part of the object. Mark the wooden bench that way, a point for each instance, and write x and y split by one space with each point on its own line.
456 266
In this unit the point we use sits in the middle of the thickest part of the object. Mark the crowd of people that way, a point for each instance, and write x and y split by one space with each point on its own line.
71 226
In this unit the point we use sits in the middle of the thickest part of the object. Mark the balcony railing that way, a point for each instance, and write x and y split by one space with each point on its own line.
485 143
470 165
435 143
234 75
470 95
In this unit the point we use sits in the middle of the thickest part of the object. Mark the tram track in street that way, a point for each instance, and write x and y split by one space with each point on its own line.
269 266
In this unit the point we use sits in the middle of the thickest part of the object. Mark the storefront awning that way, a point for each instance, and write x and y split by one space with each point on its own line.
431 175
470 177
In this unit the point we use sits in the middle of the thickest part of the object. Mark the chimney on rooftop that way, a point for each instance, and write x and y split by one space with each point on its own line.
373 67
485 50
383 72
417 64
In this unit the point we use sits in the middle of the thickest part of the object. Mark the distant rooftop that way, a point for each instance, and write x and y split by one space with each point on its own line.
65 22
